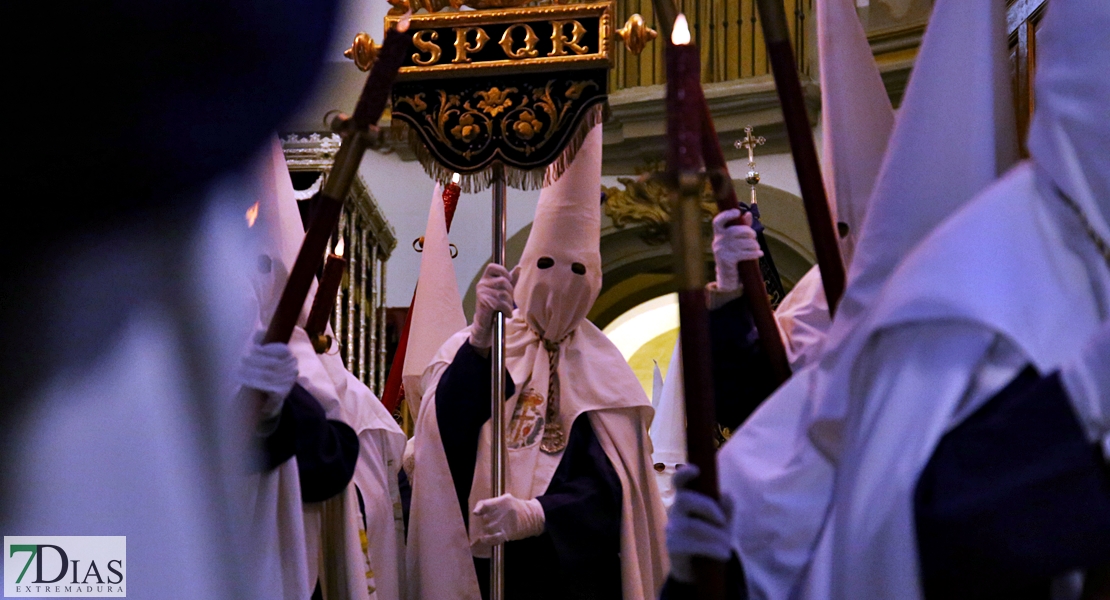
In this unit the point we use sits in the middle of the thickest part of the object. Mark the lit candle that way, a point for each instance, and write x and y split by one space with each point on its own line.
684 106
324 302
451 199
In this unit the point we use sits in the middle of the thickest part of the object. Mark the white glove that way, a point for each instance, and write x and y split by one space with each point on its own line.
408 458
696 526
1087 381
505 518
494 293
270 369
731 245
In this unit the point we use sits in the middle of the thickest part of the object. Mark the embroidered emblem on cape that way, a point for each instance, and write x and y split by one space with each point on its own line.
527 421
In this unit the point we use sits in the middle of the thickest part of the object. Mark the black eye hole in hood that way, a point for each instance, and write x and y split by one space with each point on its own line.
578 268
545 262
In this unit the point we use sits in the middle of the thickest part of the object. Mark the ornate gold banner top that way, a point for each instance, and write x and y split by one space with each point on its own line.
513 40
518 86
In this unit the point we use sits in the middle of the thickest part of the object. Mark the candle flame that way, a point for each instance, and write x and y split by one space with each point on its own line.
403 22
456 178
680 35
339 248
252 215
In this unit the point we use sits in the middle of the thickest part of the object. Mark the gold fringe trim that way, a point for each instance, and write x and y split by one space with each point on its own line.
532 179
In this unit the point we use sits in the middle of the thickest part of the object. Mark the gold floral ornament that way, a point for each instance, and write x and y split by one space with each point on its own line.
495 101
636 34
466 130
363 51
416 101
575 88
528 125
646 200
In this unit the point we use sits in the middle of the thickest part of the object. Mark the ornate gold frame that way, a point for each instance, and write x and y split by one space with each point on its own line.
602 58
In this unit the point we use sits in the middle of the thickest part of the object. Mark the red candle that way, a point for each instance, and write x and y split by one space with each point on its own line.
326 295
451 199
684 105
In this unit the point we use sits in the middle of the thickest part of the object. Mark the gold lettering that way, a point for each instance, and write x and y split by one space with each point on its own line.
530 39
463 48
424 40
559 41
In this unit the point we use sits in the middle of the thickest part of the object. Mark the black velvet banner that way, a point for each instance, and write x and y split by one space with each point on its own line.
524 121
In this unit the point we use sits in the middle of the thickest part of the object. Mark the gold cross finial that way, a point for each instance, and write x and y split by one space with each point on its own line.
750 142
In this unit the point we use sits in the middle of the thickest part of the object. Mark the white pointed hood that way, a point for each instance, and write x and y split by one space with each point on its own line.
280 231
954 135
437 312
276 230
856 121
554 299
668 429
856 115
1069 138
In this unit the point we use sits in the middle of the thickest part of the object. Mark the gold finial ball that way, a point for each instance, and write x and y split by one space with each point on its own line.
363 51
321 343
636 34
753 178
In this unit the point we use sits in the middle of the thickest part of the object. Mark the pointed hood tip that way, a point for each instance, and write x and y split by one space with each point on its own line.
569 210
954 134
857 115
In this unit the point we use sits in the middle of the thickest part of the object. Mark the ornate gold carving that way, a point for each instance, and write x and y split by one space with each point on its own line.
400 7
416 102
530 39
424 40
636 34
646 200
487 4
513 112
527 126
363 51
494 100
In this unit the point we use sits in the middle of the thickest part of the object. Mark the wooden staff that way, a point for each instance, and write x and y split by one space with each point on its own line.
826 244
356 139
393 392
684 135
750 274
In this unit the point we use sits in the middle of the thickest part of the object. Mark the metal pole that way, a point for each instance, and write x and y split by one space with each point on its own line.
497 376
379 384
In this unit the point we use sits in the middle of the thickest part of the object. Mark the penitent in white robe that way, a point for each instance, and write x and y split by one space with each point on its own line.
1010 281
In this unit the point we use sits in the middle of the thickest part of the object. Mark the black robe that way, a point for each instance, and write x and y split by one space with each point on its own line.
578 554
1012 497
326 450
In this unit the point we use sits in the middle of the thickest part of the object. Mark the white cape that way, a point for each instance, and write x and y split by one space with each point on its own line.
334 548
440 563
381 445
1039 289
